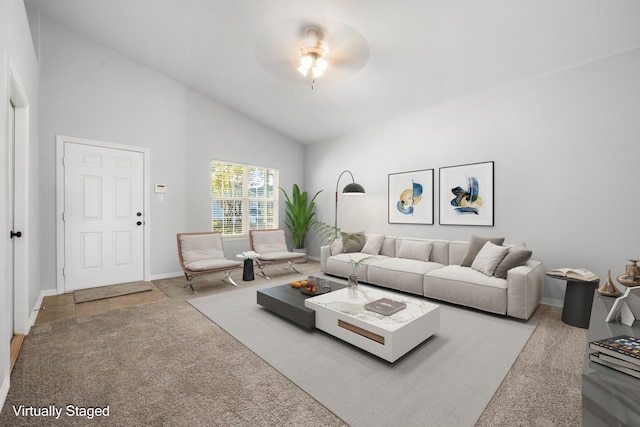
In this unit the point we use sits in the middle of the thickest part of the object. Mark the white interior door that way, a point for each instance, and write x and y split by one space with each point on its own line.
103 216
11 174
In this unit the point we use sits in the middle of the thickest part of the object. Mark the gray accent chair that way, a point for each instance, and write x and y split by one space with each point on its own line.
202 253
271 247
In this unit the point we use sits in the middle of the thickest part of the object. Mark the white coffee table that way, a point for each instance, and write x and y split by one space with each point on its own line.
389 337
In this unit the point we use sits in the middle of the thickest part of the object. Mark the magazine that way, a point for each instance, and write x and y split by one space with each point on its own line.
385 306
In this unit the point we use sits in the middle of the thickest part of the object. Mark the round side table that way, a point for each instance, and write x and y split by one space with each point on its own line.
578 299
247 267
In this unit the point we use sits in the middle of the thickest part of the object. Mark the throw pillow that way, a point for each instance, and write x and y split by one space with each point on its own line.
518 255
373 244
353 242
488 258
336 247
412 249
475 244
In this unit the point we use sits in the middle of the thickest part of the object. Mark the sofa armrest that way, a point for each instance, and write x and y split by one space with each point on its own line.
325 252
524 289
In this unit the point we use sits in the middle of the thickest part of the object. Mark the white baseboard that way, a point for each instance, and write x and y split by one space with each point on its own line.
554 302
4 391
38 305
167 275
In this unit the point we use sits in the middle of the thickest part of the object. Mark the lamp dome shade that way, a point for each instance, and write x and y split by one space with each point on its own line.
353 188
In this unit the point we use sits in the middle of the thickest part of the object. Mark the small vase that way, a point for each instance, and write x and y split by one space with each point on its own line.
352 285
608 288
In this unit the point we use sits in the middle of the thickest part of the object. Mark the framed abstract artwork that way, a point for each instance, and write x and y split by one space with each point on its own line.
411 197
466 194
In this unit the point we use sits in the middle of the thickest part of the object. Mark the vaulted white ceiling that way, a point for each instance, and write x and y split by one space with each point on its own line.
421 52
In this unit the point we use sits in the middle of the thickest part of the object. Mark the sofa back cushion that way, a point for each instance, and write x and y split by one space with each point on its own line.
457 251
389 247
440 252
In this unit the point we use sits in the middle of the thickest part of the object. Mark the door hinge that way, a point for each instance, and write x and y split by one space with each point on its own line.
63 218
63 272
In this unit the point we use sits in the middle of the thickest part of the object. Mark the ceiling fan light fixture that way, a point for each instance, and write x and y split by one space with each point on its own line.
306 63
312 50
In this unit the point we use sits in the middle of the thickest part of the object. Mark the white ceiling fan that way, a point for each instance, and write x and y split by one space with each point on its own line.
301 51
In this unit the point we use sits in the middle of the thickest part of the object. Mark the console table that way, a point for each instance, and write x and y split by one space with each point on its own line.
609 397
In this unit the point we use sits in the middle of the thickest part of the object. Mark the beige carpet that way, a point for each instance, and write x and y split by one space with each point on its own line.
102 292
163 363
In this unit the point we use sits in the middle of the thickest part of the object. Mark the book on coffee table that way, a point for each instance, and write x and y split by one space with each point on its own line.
385 306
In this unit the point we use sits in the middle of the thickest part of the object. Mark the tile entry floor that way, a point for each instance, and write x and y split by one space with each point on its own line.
60 307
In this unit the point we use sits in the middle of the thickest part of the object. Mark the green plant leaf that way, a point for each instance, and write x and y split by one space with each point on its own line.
300 214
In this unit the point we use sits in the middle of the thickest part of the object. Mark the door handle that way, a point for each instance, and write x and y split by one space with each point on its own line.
12 234
139 223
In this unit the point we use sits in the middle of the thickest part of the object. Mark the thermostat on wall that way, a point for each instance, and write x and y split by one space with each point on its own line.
160 188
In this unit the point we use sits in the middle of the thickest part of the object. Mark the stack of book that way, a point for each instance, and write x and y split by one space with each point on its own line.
621 353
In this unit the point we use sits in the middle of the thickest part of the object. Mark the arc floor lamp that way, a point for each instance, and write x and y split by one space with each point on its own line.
349 189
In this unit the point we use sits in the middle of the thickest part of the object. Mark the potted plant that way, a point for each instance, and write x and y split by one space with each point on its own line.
300 215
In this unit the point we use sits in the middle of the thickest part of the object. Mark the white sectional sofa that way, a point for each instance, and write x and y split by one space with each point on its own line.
492 277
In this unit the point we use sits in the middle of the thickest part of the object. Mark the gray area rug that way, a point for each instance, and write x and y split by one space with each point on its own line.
102 292
459 367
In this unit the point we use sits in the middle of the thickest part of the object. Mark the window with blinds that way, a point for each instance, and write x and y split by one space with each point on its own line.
243 198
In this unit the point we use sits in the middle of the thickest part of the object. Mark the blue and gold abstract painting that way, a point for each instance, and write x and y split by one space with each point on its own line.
466 194
411 197
467 200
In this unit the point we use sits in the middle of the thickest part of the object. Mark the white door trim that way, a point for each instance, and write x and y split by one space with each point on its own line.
60 140
21 310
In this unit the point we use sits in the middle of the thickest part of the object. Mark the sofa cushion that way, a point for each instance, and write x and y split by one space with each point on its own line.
336 247
413 249
342 264
400 273
373 244
212 264
388 247
279 256
517 256
488 258
353 242
475 245
466 286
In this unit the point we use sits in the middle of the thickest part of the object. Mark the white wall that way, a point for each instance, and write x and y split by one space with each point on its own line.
566 149
17 57
89 91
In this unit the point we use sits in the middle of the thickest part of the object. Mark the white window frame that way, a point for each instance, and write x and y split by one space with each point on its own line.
245 200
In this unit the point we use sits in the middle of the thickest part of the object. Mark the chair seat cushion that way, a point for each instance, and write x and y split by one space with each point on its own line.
212 264
280 256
